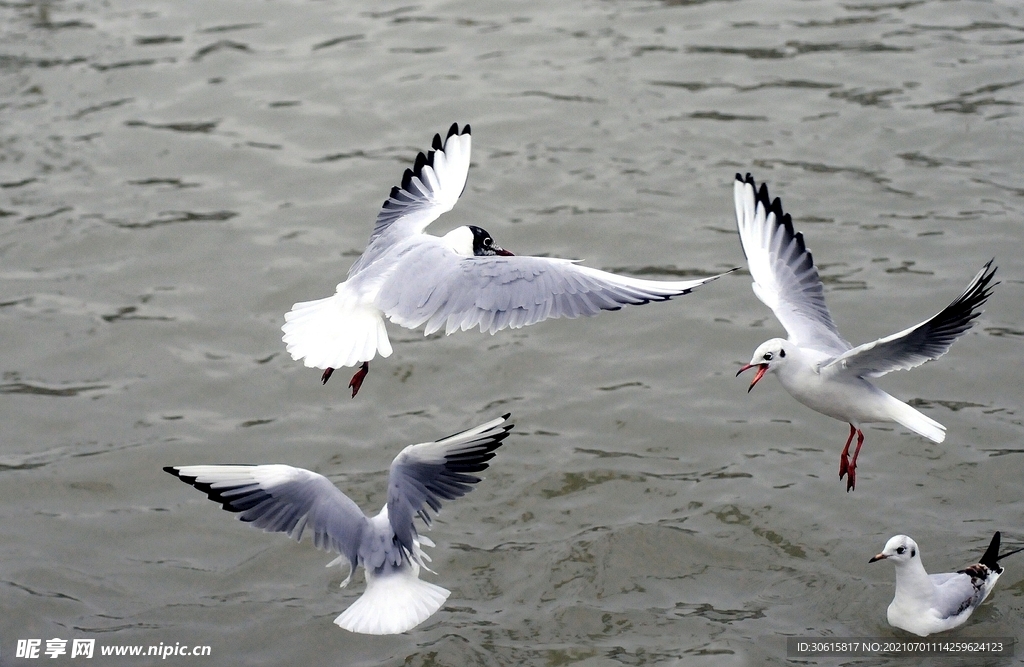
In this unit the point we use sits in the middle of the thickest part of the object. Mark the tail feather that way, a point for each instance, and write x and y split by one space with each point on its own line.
991 557
916 421
393 603
333 332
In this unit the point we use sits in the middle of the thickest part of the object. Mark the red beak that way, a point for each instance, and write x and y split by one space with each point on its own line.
878 558
761 370
498 250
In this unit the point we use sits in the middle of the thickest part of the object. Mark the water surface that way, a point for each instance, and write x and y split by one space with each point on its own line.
173 176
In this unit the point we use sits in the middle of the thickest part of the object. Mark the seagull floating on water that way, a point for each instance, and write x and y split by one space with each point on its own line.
459 281
283 499
928 603
815 364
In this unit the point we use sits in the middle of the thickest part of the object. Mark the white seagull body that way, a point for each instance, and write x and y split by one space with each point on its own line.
283 499
816 365
929 603
457 281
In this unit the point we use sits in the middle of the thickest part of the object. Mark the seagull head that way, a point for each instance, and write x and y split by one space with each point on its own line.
768 357
900 550
483 243
472 241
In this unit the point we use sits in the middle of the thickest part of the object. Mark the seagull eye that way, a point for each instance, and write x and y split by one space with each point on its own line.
901 550
767 356
488 242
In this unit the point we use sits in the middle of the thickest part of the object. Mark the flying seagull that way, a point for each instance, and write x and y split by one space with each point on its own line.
928 603
458 281
283 499
815 364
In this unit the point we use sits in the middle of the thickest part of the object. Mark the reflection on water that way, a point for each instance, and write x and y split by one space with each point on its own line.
174 176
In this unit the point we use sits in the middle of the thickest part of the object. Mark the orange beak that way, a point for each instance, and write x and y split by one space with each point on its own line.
877 558
761 370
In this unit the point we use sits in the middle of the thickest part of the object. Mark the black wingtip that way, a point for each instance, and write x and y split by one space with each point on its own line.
1008 553
425 159
230 498
453 131
748 179
959 315
991 557
988 270
407 178
782 219
421 160
989 274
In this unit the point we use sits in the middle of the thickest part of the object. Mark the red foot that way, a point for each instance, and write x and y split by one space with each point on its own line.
326 376
851 467
357 380
844 458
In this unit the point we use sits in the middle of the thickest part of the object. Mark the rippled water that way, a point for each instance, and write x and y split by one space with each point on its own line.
173 176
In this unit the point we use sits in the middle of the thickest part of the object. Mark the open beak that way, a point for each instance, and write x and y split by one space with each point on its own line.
761 370
878 557
498 250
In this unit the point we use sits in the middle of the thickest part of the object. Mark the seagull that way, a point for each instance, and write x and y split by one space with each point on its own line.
928 603
815 364
459 281
283 499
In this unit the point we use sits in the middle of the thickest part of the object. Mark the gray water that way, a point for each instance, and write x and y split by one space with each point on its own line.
173 176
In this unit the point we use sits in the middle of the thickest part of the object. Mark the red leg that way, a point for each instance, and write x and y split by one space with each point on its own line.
853 464
326 376
357 380
844 462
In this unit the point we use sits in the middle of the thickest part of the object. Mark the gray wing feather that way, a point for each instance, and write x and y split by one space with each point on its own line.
956 593
926 341
785 278
437 287
423 475
283 499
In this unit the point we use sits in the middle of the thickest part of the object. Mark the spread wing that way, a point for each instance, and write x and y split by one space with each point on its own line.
423 475
926 341
430 188
785 278
436 286
283 499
